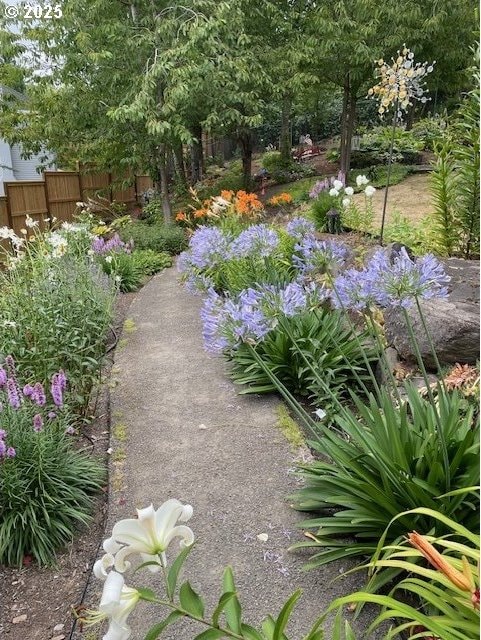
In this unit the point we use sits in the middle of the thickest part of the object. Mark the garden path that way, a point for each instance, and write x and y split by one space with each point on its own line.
180 429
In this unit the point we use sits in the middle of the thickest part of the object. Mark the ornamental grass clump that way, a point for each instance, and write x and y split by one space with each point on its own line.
46 482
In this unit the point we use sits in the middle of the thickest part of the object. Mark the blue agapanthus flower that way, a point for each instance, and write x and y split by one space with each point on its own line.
253 313
256 240
405 280
207 247
325 256
395 283
300 227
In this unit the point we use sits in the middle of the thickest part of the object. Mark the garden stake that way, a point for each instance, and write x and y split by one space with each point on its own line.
389 163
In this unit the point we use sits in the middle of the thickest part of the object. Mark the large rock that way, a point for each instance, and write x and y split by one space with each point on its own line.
453 323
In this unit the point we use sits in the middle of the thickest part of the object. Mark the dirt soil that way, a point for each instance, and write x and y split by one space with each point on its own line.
35 603
411 198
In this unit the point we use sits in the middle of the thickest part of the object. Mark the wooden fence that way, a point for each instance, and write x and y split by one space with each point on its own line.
59 191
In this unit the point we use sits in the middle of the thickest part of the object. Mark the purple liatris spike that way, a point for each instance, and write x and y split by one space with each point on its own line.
12 394
37 422
62 379
38 394
3 377
52 415
10 362
3 449
10 453
3 434
56 389
27 390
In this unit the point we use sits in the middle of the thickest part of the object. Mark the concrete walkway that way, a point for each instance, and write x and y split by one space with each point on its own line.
180 430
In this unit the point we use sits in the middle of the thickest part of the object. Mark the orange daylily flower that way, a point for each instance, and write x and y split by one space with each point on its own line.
199 213
180 216
439 562
227 194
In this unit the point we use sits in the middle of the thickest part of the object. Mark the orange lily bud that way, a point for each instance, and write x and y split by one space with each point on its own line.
439 562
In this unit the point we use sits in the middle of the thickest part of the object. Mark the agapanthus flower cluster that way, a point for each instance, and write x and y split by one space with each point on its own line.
396 283
300 227
257 240
400 83
5 450
101 247
253 313
208 247
323 256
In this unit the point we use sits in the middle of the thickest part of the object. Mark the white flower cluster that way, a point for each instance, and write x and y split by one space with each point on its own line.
337 186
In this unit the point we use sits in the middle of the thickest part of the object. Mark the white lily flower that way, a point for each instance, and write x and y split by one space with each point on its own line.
108 259
346 202
148 536
337 184
30 222
320 413
334 192
349 191
361 180
116 604
369 191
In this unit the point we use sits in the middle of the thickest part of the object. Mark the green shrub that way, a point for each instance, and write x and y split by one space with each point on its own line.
152 212
430 130
384 460
56 314
233 276
46 484
122 267
326 342
168 238
151 262
273 161
374 148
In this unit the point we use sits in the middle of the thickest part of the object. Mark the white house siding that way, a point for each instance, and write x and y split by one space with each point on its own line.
14 167
6 167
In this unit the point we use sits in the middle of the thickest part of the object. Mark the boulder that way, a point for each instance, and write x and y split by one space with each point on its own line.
453 323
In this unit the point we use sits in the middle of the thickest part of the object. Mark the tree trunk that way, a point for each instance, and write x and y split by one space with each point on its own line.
285 141
164 185
245 140
180 163
347 124
197 155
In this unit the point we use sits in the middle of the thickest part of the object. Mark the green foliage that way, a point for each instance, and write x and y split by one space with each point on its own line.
430 130
235 275
455 184
378 174
443 609
375 146
300 189
273 161
419 237
46 492
383 461
122 268
319 208
151 262
298 351
58 312
442 184
152 212
157 237
227 178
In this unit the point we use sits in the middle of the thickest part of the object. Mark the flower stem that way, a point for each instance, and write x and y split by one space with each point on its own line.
382 355
430 341
419 358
